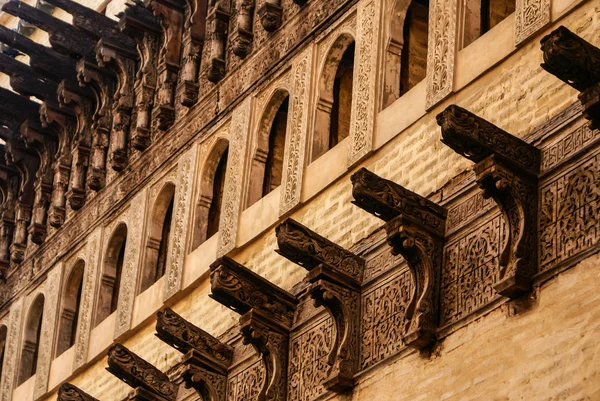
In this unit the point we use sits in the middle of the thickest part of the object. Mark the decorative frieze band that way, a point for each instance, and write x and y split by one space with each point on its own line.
11 351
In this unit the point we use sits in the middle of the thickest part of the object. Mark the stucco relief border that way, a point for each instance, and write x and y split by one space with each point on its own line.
11 356
530 17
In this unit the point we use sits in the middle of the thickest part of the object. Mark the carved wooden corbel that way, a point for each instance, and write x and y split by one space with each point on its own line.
218 23
171 21
267 316
205 364
242 38
9 184
138 373
576 62
336 276
193 42
68 392
415 229
270 13
507 170
145 28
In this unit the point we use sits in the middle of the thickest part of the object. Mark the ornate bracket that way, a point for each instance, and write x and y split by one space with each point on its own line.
415 229
336 276
267 316
270 13
9 183
136 372
507 170
576 62
242 37
193 41
68 392
218 22
205 365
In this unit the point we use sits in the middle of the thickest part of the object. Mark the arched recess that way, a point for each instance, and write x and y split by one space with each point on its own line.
69 308
3 336
112 270
405 59
157 238
334 104
266 169
476 17
212 184
31 340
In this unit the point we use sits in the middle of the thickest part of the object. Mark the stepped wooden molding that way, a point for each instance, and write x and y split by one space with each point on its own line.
415 229
576 62
507 170
267 316
336 276
138 373
69 392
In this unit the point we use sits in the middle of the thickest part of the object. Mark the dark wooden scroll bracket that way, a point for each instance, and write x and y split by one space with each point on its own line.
68 392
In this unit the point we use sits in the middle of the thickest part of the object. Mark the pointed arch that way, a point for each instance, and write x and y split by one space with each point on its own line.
212 185
157 239
69 308
112 270
3 338
31 340
334 105
266 167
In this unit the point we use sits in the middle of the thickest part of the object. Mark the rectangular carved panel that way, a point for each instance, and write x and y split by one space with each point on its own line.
246 385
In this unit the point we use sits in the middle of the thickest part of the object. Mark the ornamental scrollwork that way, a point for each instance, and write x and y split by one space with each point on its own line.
69 392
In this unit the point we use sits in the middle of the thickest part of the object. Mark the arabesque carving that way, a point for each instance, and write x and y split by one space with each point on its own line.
507 170
415 229
530 17
69 392
267 315
336 276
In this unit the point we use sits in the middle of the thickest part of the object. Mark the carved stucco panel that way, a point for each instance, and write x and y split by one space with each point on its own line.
88 296
51 292
530 17
295 146
181 227
441 50
365 81
234 177
11 355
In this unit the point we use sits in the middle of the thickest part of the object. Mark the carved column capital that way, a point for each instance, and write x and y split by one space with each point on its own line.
507 170
415 229
69 392
576 62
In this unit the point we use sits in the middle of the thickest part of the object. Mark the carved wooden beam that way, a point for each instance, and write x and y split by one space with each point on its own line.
205 365
576 62
145 28
136 372
270 13
336 276
26 81
218 23
415 229
63 37
507 170
68 392
242 38
267 316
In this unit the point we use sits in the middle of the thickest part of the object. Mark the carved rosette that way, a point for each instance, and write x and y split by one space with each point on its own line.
137 372
415 229
507 169
69 392
267 316
577 63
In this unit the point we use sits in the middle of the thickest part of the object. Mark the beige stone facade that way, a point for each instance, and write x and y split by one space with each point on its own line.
205 175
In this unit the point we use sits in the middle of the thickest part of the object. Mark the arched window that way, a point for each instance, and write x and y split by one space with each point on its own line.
335 97
3 335
267 166
157 242
111 274
69 314
479 16
31 340
212 185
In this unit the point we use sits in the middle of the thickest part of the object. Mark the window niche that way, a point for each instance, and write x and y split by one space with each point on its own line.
31 340
111 274
69 312
479 16
157 240
266 171
212 185
334 106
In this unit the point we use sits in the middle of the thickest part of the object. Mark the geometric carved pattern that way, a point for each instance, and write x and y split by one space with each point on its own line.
415 229
507 170
68 392
136 372
531 16
247 385
336 276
